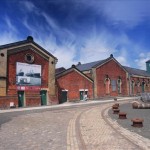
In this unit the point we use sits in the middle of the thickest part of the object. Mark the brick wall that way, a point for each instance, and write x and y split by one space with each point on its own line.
20 57
113 70
138 89
5 101
73 82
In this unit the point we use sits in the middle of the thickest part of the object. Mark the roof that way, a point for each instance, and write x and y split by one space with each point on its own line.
69 70
148 61
28 40
134 71
88 66
59 70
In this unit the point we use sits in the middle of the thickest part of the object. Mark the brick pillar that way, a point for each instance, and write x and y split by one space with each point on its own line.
95 82
3 72
51 79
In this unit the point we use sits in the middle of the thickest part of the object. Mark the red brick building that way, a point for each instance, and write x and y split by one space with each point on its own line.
112 79
109 78
27 75
74 85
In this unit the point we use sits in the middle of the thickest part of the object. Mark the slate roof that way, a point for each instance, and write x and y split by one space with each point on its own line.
88 66
132 71
148 61
70 69
59 70
28 40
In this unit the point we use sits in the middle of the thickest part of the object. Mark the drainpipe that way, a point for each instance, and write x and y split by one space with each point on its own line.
129 76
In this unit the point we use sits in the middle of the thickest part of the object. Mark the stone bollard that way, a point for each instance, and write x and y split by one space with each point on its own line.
137 122
115 99
135 104
122 115
116 111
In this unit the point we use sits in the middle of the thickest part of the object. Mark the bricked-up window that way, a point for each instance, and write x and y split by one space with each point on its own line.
119 83
113 85
107 84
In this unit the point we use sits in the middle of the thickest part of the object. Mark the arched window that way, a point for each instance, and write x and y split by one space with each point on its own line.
148 85
107 85
119 83
143 86
138 86
132 86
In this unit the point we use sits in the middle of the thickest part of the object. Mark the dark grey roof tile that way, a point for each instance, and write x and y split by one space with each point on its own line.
134 71
87 66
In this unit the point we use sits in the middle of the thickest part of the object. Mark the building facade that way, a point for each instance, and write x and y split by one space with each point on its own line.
112 79
73 85
109 77
27 75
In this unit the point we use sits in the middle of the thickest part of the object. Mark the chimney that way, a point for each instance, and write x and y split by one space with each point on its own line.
30 38
79 63
148 66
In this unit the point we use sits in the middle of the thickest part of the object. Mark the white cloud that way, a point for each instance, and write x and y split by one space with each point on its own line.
70 47
8 37
28 5
142 59
65 53
9 25
125 12
10 34
100 45
50 21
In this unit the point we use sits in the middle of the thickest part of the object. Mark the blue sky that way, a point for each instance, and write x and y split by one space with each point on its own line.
81 30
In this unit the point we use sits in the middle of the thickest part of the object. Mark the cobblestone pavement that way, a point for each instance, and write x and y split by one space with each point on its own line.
98 135
82 128
138 136
36 131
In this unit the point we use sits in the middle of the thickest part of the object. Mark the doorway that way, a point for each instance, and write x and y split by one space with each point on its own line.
83 95
20 98
63 96
143 87
43 94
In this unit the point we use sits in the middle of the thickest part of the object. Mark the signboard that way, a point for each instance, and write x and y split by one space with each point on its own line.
28 75
28 88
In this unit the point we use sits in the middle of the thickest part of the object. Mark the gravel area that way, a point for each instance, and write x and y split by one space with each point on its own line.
133 113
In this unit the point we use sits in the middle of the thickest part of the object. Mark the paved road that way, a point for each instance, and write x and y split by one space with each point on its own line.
81 128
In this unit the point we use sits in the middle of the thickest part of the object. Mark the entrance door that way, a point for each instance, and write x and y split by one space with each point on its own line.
43 97
63 96
81 95
20 98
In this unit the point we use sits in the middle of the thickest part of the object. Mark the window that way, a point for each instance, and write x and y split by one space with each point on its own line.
113 85
29 58
119 85
132 86
107 83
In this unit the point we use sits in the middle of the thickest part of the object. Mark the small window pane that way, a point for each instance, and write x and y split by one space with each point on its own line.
113 85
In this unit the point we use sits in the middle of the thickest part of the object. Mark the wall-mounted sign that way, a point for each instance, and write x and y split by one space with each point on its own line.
28 74
28 88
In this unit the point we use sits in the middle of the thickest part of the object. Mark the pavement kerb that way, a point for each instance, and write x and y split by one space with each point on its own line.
66 105
143 143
